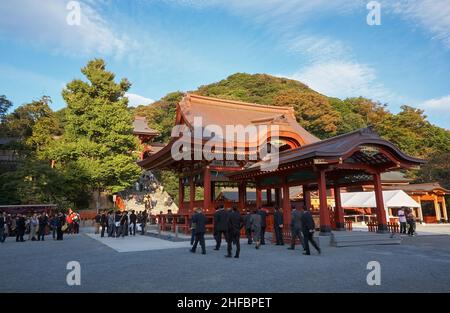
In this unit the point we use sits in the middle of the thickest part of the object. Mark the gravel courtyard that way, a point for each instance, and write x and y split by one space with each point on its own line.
419 264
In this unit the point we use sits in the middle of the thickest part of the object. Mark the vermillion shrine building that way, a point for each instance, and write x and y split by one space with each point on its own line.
354 159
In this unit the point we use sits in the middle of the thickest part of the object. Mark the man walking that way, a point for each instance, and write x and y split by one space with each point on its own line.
43 222
255 221
296 228
103 223
308 227
61 223
54 225
124 224
97 223
220 225
199 220
235 224
248 227
278 225
133 219
2 227
144 222
192 227
263 215
20 228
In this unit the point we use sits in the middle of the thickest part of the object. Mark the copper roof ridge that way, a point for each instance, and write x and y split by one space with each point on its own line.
359 130
242 103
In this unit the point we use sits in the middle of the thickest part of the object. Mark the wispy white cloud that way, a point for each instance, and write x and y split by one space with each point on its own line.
287 14
437 110
332 69
134 100
44 23
343 79
317 48
437 105
431 15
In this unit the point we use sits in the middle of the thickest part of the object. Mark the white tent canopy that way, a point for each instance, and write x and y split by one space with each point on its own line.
392 199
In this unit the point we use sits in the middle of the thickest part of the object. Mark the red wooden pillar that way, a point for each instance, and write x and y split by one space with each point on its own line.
258 197
269 196
242 193
180 194
306 197
338 211
277 197
325 227
381 213
286 205
191 194
213 193
206 189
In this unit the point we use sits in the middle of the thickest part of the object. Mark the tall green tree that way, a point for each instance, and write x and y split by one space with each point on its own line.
5 105
98 138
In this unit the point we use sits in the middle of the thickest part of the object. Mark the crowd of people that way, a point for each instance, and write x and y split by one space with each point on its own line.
228 224
38 225
119 224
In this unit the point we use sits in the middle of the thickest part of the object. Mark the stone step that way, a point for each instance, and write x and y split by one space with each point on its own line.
362 239
359 243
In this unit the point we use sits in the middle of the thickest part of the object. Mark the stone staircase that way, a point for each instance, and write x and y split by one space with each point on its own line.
158 195
360 238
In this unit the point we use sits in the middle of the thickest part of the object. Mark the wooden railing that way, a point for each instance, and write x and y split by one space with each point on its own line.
392 227
179 222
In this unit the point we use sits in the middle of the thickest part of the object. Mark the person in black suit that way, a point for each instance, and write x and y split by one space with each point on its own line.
60 223
124 224
43 222
103 223
2 227
263 215
235 223
144 222
199 221
296 228
278 226
220 225
20 228
133 219
308 227
192 227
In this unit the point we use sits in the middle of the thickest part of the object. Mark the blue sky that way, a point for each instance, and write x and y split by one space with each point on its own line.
168 45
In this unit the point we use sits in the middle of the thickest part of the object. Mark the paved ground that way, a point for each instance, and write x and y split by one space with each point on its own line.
143 243
420 264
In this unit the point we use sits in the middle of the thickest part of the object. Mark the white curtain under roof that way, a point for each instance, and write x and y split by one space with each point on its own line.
392 199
